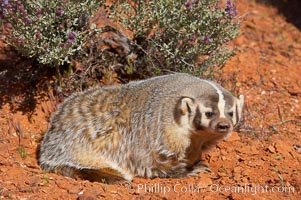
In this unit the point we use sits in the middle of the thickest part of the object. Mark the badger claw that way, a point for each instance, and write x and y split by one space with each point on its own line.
198 168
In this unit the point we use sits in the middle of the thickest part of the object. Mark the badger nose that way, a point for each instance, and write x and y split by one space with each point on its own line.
223 126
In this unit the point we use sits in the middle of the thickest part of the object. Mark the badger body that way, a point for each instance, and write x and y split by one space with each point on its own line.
157 127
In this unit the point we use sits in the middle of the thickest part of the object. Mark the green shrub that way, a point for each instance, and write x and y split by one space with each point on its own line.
188 36
181 35
50 31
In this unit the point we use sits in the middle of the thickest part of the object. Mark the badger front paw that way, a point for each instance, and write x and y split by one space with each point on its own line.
198 168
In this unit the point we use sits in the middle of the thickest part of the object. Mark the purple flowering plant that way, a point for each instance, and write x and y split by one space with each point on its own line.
183 35
231 9
47 30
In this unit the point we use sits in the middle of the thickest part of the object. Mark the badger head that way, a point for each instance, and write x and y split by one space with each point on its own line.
214 112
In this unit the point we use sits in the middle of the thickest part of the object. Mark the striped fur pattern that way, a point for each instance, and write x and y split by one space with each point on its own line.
157 127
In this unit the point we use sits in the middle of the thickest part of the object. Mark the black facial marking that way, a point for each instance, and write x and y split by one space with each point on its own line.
209 114
237 116
210 101
197 121
178 112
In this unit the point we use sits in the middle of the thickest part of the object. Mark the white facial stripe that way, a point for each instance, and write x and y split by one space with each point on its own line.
240 105
221 100
203 110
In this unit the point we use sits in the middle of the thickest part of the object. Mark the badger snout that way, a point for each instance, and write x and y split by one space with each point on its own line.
222 125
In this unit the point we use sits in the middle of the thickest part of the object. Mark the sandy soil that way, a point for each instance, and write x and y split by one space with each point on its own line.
262 161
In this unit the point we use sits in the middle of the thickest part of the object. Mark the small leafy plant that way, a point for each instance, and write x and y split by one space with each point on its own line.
167 35
50 31
184 35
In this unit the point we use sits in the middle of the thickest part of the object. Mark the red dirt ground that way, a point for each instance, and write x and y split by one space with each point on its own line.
259 163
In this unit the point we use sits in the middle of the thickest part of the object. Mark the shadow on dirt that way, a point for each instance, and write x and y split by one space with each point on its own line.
22 81
289 9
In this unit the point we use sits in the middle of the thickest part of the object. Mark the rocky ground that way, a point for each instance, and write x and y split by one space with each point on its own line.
262 161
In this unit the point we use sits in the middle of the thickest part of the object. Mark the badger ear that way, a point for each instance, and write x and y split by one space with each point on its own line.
184 106
240 104
187 104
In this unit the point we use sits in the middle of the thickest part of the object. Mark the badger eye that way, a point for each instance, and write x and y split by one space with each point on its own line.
230 114
209 114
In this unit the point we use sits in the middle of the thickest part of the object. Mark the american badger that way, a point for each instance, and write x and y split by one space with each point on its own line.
157 127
